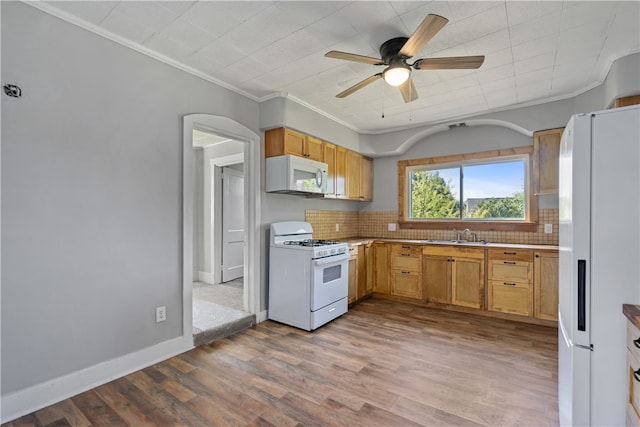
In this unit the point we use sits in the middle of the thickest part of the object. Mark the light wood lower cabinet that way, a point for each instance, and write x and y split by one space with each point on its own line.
436 271
510 278
511 297
353 274
467 281
520 282
454 275
633 374
545 284
406 271
381 268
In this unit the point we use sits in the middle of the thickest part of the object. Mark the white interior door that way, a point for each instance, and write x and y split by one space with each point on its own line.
233 232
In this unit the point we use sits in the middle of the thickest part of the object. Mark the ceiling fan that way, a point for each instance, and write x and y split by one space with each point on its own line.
395 53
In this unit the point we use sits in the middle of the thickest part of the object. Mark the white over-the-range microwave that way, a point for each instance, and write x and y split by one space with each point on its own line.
295 175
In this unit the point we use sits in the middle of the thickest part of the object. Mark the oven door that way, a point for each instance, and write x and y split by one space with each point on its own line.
329 280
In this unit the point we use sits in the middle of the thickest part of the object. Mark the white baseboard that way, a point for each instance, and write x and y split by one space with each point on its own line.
38 396
261 316
203 276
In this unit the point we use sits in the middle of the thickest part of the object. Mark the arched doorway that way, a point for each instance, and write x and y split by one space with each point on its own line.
228 128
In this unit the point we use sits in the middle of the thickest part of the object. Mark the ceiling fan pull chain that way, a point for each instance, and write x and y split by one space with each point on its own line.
383 101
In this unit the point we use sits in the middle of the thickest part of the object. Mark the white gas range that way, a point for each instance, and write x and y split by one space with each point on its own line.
308 279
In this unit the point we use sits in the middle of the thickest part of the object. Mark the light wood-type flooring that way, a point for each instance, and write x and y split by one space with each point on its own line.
382 364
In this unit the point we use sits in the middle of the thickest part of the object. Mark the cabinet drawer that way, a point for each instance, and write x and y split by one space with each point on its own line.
406 262
511 271
634 385
510 254
406 284
633 337
510 297
406 249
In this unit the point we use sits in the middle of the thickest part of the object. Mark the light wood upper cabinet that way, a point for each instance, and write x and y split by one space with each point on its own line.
546 148
545 284
353 175
281 141
330 160
341 173
359 181
315 149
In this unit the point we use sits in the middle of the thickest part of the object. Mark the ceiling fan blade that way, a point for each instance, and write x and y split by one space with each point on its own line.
408 91
359 86
431 25
449 63
353 57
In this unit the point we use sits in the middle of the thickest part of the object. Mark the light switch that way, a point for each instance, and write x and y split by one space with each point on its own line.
548 228
391 226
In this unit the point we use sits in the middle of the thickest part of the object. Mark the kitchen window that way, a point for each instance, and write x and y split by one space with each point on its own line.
481 191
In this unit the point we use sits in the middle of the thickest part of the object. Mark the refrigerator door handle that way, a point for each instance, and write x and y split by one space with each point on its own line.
582 296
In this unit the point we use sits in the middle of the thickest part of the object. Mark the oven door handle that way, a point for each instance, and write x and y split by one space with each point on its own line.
334 259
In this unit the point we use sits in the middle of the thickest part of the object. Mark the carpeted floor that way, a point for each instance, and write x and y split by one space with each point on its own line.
218 311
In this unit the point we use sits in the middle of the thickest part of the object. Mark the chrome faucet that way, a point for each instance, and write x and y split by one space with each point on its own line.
474 236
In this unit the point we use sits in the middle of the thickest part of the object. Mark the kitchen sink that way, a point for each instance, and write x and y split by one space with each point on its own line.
456 242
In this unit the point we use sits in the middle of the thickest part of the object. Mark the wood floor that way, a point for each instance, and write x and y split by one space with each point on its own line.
382 364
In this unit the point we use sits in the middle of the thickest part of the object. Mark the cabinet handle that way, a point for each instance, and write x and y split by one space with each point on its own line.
637 342
510 262
509 253
406 272
636 375
509 284
405 254
406 247
537 256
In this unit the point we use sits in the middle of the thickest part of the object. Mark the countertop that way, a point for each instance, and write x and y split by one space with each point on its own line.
355 241
632 312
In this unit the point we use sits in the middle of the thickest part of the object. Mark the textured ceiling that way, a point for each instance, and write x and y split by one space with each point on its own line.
535 51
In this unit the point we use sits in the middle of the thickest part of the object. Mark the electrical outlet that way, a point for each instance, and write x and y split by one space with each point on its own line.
161 314
548 228
337 227
391 226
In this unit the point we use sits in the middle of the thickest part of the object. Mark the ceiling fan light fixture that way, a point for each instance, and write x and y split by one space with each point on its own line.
396 75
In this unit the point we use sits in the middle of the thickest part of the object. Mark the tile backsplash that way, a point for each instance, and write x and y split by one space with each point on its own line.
375 224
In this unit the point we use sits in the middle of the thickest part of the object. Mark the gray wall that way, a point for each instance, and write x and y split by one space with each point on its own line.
91 195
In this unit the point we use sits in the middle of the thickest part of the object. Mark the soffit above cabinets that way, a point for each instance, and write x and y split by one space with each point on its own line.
535 51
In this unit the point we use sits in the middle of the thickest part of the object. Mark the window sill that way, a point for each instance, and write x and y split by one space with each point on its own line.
526 226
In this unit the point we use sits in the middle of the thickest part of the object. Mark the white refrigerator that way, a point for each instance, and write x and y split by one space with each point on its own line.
599 201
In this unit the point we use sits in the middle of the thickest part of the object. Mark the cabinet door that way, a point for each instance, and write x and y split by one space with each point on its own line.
341 172
381 268
406 284
437 278
314 149
366 179
330 160
294 143
546 148
509 297
353 175
353 279
545 285
467 282
362 273
368 261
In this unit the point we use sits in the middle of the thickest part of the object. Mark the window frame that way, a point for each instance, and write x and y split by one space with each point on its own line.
530 223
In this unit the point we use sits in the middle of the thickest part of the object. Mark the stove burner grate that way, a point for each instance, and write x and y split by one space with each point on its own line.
311 242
